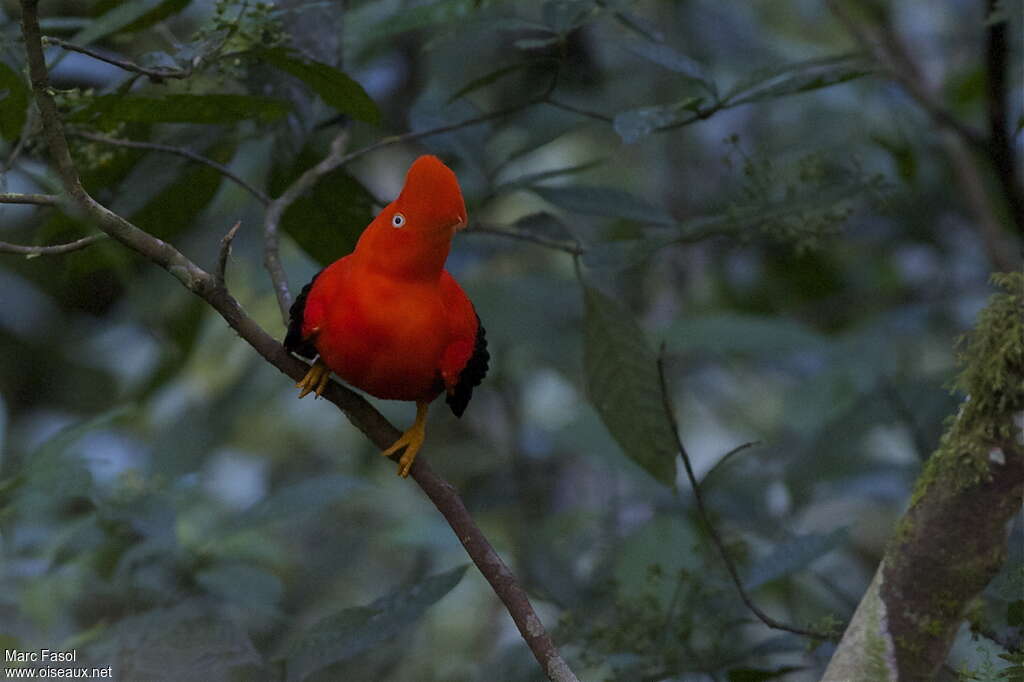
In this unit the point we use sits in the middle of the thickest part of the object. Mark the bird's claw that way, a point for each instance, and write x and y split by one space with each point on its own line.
411 440
315 381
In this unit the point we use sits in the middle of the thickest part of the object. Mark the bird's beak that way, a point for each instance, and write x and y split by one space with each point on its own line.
461 222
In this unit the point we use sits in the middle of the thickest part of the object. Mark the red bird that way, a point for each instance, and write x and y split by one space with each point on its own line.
388 318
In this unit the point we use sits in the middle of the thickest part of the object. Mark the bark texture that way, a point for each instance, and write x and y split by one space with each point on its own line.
952 540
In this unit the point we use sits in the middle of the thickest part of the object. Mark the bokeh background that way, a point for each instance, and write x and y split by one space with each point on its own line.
741 179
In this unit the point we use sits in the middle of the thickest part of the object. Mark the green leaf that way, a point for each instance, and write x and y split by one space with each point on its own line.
637 124
14 95
248 586
49 478
604 201
177 206
354 630
133 15
790 79
336 88
327 221
452 12
491 77
1015 614
562 16
107 110
622 383
793 555
666 56
304 498
188 641
531 178
738 333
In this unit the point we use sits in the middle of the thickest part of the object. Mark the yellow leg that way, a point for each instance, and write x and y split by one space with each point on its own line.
315 380
411 440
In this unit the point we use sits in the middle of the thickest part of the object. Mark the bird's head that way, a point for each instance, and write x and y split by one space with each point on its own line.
412 235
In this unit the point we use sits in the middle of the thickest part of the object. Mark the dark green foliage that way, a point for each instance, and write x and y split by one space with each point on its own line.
622 383
769 205
108 110
351 631
327 221
337 89
14 95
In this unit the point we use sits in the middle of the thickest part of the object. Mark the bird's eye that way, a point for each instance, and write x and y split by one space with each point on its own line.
398 220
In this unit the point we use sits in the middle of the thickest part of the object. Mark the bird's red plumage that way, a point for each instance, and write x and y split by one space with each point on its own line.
388 318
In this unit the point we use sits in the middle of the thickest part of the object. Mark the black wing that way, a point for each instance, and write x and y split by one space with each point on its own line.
472 374
293 341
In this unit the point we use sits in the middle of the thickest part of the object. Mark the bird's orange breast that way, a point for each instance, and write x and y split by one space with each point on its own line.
380 335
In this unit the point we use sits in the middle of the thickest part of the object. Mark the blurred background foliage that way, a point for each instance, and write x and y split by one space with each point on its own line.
746 187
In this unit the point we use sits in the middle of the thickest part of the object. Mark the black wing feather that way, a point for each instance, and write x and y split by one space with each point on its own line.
293 341
472 374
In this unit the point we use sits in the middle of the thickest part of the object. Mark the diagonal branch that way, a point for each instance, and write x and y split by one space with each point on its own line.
363 415
156 74
712 531
52 250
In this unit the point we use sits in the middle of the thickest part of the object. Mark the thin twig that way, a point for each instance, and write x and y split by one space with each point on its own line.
414 135
37 199
275 211
666 401
53 250
513 232
363 415
178 151
225 253
597 116
156 74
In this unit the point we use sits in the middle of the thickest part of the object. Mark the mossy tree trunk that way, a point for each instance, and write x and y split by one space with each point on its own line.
952 540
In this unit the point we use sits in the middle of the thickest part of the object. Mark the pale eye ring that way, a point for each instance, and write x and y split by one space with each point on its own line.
398 220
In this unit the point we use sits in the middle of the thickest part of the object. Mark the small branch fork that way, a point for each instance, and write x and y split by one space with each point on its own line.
666 401
53 250
211 289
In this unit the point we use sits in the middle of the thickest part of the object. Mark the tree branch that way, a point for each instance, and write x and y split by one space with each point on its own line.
357 409
177 151
225 253
156 74
275 211
513 232
705 517
952 539
37 199
53 250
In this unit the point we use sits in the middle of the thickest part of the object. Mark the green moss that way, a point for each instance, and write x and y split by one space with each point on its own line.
991 359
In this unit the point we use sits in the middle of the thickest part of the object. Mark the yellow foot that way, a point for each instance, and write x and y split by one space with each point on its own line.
411 440
315 380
